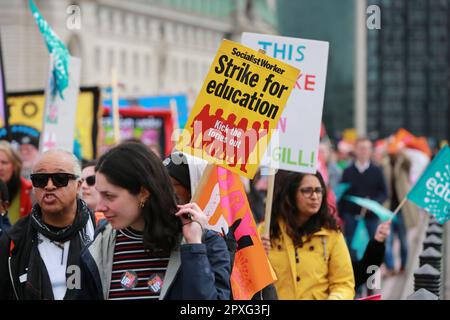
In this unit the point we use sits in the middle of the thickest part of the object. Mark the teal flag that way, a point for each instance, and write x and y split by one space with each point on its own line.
432 190
340 190
360 238
382 213
58 49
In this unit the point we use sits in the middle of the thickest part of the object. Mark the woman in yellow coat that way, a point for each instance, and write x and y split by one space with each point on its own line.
306 248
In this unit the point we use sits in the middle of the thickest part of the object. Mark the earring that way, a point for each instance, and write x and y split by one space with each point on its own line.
142 204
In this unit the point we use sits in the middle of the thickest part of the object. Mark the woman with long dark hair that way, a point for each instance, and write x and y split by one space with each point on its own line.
306 248
148 247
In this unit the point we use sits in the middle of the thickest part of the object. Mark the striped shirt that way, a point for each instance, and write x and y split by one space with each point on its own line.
136 273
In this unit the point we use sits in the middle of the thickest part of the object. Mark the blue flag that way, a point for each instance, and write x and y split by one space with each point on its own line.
341 189
382 213
58 49
432 190
360 238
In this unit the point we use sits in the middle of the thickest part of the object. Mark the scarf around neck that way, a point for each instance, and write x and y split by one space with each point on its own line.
81 218
39 285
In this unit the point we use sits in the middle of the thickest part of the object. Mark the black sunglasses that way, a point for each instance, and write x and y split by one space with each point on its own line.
60 179
90 180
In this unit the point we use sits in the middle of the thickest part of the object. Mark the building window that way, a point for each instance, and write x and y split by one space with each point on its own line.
124 22
169 32
180 33
97 59
111 62
136 63
162 31
200 37
136 26
156 31
205 69
147 66
110 19
194 73
190 35
132 21
177 67
98 18
211 39
149 28
186 70
140 26
194 36
123 62
118 23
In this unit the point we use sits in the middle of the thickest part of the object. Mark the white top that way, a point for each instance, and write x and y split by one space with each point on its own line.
54 255
362 166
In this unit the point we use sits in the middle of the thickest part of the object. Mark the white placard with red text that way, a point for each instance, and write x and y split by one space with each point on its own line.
294 147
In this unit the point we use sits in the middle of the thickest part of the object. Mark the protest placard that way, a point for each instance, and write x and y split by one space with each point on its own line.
223 199
26 110
299 125
241 101
59 116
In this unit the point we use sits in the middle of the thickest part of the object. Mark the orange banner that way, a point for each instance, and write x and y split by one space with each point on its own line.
224 201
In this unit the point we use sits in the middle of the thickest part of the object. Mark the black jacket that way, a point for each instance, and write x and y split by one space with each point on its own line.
19 257
370 184
15 249
373 256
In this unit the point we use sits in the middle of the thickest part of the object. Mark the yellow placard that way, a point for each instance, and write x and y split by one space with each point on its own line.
26 112
241 101
350 135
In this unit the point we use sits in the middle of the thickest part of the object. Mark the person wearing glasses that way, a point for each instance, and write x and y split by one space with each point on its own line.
306 248
89 194
39 255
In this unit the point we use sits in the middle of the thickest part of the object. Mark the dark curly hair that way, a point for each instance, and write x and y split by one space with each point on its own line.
132 166
284 207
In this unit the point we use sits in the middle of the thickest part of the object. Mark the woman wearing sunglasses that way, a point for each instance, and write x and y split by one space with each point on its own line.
148 247
306 248
88 192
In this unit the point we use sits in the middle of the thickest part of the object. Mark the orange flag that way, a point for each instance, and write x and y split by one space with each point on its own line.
404 138
224 201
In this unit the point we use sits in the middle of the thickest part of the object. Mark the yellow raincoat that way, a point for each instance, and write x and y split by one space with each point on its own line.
322 271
